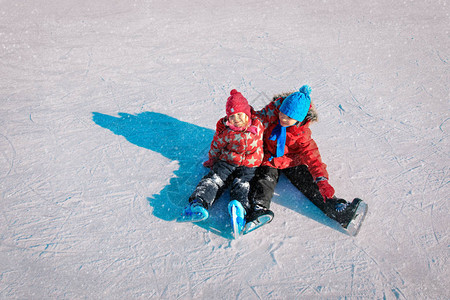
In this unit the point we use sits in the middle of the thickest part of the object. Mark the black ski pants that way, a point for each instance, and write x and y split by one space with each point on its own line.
266 178
221 176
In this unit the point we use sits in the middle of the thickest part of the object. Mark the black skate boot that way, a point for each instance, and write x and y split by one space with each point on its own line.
258 218
349 215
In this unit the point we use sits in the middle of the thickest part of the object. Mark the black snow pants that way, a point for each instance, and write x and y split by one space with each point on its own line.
221 176
266 178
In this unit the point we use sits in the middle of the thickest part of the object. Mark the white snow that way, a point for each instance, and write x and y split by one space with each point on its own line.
107 112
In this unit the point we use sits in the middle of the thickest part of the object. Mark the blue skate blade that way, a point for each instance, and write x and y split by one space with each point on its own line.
197 217
237 213
234 223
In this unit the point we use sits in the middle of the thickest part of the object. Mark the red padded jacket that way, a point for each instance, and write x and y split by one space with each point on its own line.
300 148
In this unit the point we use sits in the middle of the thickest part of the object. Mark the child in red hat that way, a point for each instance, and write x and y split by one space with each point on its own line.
235 153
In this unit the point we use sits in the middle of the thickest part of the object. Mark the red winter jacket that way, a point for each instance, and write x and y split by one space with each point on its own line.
300 148
240 148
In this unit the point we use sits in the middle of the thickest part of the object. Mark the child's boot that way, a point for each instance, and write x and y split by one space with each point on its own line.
194 212
258 218
349 215
237 213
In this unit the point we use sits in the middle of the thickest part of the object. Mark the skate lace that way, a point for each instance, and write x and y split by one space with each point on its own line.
340 207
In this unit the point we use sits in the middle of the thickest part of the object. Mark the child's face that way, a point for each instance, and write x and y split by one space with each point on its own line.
239 120
285 121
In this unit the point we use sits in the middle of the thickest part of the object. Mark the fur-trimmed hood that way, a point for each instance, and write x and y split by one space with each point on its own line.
311 116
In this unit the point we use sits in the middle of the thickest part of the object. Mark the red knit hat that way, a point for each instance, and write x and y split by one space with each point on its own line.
237 103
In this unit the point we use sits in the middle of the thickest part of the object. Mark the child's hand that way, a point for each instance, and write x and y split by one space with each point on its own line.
326 190
209 163
220 126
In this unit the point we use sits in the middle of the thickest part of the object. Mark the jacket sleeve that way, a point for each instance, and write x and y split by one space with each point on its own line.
269 113
217 143
310 156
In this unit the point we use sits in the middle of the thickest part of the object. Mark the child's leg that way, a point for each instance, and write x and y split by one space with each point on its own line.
302 179
335 208
262 187
240 187
208 187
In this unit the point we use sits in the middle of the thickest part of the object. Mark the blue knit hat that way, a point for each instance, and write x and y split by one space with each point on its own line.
296 105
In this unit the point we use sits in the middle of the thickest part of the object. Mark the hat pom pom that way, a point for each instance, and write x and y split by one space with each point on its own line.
233 91
306 89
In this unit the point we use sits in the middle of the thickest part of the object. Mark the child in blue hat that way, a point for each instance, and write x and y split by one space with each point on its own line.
289 149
